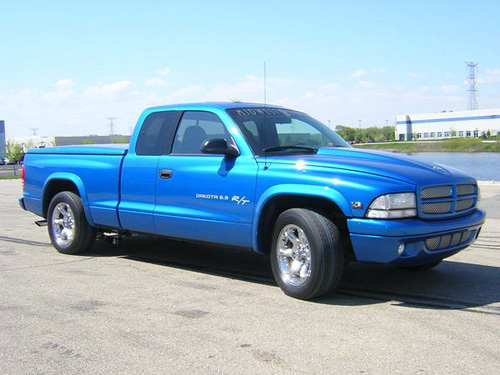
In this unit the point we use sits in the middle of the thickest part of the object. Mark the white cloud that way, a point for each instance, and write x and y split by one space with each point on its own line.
188 93
164 71
28 94
108 91
65 84
330 87
63 94
358 74
155 82
366 85
492 76
70 109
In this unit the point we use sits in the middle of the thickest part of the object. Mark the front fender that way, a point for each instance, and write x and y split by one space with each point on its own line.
310 191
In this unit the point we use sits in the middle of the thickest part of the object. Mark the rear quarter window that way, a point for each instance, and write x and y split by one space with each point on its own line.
156 133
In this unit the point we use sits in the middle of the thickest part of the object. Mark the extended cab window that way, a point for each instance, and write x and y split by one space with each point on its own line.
156 132
195 128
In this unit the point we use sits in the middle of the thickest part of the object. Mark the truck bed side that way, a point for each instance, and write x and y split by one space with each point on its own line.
93 172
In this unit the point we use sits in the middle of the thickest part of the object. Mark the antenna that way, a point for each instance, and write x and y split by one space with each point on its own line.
111 125
472 80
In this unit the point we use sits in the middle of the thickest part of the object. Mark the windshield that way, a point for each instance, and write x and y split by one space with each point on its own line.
279 130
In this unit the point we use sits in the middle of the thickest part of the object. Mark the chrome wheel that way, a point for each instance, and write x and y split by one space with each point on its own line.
69 230
307 257
294 255
63 224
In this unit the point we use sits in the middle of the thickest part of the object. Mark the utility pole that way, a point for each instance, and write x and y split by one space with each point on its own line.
111 125
472 80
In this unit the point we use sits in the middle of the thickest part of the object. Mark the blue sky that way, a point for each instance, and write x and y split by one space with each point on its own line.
68 65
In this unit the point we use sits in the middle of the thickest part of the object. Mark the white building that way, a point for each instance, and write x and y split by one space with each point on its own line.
433 126
34 141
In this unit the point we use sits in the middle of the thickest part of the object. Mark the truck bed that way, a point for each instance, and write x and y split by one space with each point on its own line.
93 169
104 149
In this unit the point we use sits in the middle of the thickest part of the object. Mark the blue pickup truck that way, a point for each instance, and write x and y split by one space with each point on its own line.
259 177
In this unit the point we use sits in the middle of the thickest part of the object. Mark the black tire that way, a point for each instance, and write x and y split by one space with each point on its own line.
312 266
69 231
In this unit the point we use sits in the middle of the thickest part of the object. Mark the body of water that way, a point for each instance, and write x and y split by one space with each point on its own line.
484 166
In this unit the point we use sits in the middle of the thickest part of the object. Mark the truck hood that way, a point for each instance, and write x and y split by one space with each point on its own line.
392 165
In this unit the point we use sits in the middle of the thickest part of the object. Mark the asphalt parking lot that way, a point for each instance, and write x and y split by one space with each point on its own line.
152 306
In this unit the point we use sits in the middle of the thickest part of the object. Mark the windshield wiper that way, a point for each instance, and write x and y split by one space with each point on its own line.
281 148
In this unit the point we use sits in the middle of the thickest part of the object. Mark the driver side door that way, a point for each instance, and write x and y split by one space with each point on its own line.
204 197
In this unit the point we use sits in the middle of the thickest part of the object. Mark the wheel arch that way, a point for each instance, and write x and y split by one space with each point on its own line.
279 203
60 182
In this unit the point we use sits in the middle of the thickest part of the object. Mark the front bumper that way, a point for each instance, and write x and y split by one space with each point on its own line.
412 242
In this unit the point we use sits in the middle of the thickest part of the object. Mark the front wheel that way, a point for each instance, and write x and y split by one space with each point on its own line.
307 257
69 231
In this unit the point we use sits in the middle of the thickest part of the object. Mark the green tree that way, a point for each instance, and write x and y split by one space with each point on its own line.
372 133
13 151
346 132
360 135
388 133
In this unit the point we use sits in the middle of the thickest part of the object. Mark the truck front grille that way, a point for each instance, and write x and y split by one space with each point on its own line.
449 241
445 201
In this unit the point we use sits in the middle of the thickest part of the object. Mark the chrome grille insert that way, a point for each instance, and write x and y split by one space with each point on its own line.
445 201
436 208
464 204
448 241
466 189
436 192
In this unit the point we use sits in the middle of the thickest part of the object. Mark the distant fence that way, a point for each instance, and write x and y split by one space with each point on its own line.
10 170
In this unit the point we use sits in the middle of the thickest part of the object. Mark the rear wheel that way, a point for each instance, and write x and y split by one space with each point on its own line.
307 258
69 231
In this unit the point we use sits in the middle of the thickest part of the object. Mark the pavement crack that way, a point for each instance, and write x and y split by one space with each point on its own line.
24 242
47 265
403 299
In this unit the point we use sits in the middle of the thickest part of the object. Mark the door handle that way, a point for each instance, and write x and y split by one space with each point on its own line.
166 173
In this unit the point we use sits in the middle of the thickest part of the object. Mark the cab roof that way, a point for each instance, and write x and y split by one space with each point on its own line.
219 105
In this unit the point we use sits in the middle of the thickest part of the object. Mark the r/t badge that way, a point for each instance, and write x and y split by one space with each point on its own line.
240 200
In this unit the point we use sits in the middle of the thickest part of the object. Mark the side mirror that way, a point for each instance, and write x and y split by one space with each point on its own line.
219 146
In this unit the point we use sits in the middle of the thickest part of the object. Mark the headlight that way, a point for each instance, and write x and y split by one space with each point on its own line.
393 206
